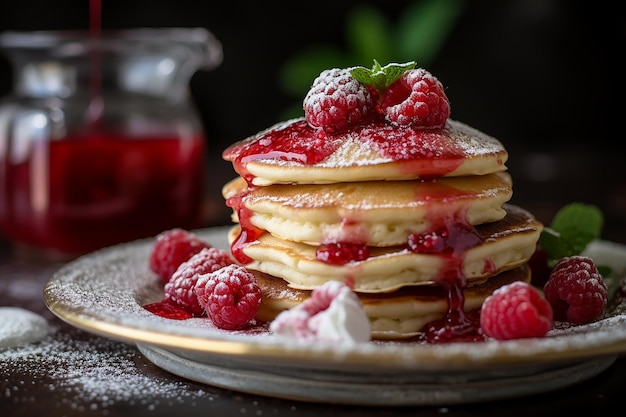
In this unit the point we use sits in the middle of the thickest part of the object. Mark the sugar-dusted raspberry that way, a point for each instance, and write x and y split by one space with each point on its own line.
576 290
230 296
180 288
172 248
416 99
516 311
337 101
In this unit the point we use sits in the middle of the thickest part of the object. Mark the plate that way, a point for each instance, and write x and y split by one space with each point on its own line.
103 293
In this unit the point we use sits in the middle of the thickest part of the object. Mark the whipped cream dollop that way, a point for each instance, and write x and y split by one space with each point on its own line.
333 314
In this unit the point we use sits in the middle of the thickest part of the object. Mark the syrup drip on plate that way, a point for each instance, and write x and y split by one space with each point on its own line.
169 310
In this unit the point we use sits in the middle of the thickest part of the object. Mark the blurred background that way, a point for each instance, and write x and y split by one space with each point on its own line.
540 75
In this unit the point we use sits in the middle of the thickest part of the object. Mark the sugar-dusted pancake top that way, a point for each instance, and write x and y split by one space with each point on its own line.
294 152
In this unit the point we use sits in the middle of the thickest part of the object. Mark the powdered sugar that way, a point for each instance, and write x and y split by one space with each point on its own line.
90 373
19 326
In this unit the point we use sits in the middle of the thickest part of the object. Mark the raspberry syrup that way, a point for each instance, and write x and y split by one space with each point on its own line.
95 148
449 238
340 253
169 310
295 141
83 192
427 153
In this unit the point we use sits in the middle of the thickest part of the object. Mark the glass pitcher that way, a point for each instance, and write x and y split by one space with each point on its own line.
100 142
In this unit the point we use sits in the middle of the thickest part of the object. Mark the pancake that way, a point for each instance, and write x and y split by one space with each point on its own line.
406 206
375 213
396 315
293 152
504 245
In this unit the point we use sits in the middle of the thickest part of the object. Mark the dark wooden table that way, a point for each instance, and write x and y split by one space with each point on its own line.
86 375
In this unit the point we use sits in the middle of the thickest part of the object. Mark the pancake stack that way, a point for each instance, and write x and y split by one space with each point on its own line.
409 217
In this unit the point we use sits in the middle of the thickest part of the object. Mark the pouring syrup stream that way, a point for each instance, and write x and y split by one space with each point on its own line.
95 109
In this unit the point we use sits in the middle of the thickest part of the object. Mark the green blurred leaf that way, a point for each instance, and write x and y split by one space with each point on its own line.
573 227
418 36
579 217
368 35
423 28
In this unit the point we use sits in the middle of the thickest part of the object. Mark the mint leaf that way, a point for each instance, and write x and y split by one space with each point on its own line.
381 77
573 227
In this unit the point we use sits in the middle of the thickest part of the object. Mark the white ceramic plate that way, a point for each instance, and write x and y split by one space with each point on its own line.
104 292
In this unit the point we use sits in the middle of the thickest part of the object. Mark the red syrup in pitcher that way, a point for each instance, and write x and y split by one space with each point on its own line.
104 164
98 189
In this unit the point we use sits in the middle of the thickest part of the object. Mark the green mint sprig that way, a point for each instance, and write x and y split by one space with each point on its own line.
381 77
573 227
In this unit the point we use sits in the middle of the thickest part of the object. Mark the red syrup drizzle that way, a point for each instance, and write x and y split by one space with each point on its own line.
96 105
449 237
426 152
349 250
340 253
450 241
295 141
249 233
429 153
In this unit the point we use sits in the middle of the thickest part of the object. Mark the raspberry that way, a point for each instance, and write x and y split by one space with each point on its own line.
337 101
576 290
172 248
230 296
416 99
515 311
180 288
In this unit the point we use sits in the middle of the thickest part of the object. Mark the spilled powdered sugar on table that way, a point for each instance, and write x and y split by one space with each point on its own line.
99 372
